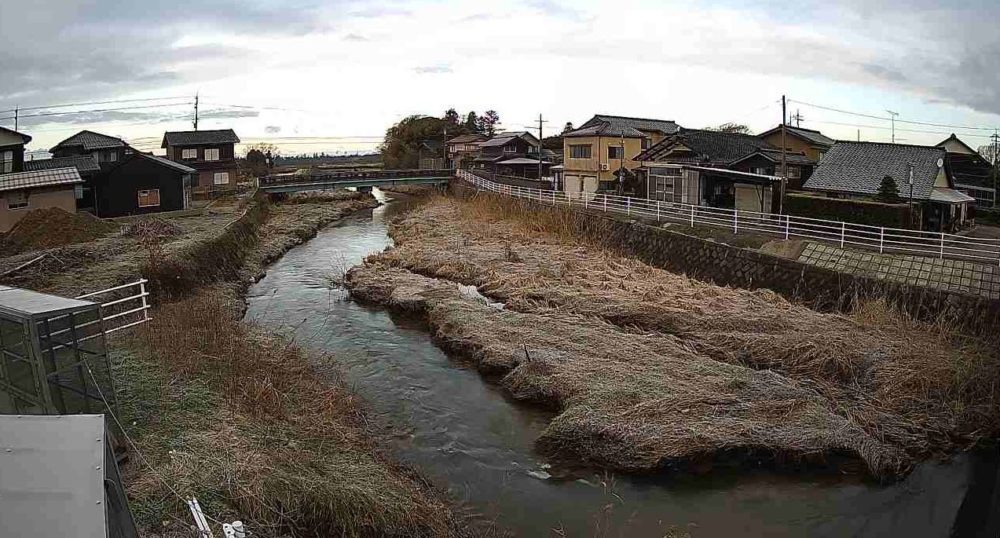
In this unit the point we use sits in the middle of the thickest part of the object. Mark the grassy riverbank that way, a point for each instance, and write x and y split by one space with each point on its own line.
255 428
650 368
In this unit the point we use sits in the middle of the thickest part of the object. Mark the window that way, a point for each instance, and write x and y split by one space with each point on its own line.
6 162
98 157
645 143
112 156
149 198
616 152
221 178
579 151
510 148
17 200
212 154
667 185
188 154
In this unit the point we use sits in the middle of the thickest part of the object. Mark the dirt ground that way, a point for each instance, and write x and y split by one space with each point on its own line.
651 369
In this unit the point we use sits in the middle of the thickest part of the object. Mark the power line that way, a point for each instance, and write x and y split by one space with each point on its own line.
884 118
94 111
884 128
92 103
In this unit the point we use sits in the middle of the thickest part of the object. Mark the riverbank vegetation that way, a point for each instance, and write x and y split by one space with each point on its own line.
650 369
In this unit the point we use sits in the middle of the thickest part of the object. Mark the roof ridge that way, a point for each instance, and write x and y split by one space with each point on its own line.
632 118
874 143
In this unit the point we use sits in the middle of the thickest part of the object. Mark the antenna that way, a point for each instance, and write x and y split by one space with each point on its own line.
798 117
893 115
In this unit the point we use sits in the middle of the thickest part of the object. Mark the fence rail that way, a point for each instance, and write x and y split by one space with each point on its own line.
844 234
122 306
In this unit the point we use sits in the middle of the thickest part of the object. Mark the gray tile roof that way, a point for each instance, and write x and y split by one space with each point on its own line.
467 138
83 163
167 162
605 125
503 138
90 141
774 155
198 138
39 178
715 147
809 135
858 168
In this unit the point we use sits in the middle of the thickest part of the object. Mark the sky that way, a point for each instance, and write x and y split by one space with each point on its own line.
320 75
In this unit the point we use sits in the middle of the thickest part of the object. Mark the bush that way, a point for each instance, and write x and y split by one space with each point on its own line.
987 216
856 211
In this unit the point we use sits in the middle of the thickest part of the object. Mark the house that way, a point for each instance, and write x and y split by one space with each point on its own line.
430 155
855 170
972 173
38 189
463 149
512 154
813 144
85 165
716 169
603 148
211 153
105 150
12 150
143 183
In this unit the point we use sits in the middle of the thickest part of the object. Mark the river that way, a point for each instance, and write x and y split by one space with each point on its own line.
461 432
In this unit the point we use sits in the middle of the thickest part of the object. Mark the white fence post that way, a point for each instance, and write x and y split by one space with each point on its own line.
145 304
843 230
736 226
605 203
692 216
881 240
657 211
942 245
787 219
628 205
586 199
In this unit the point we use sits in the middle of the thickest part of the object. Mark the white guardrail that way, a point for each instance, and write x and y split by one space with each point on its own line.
881 239
127 305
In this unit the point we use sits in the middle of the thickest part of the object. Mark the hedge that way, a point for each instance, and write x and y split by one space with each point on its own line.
856 211
987 216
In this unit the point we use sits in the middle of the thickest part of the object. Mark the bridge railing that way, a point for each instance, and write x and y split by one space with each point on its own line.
843 234
354 175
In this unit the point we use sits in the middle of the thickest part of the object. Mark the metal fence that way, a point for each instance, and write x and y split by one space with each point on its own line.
122 306
844 234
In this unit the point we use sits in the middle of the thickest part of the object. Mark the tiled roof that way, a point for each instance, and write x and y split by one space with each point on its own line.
503 138
858 167
90 141
467 138
39 178
714 147
167 162
198 138
605 125
809 135
433 145
83 163
774 155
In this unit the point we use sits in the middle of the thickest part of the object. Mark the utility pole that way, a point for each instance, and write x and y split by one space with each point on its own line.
784 160
541 136
910 179
16 111
996 148
893 116
444 147
195 111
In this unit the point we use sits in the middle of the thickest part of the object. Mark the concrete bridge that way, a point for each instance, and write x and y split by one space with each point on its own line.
288 183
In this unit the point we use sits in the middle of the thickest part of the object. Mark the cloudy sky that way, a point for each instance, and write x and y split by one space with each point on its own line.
323 75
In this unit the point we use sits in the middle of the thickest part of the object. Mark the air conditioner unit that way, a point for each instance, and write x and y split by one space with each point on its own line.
605 167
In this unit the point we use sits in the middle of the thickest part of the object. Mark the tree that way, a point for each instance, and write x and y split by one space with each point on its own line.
401 147
568 127
472 122
489 122
989 152
260 158
451 116
737 128
888 192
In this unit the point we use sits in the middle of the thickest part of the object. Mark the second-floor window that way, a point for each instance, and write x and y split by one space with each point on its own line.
212 154
510 148
616 152
189 154
579 151
6 162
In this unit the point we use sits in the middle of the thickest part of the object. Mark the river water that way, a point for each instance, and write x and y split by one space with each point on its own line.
461 432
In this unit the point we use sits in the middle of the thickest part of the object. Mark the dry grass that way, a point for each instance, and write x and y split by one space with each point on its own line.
906 390
247 424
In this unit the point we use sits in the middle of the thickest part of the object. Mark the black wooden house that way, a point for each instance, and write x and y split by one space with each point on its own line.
141 184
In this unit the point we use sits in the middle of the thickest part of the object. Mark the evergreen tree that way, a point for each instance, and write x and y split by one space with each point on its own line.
888 192
451 116
472 122
568 127
490 121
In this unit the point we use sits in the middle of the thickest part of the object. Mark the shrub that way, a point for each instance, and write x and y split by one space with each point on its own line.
856 211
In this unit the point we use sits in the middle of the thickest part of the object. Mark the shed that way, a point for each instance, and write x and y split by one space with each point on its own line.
141 184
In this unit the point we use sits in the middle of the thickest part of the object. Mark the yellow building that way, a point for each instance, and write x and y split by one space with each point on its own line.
595 154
